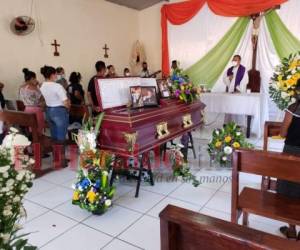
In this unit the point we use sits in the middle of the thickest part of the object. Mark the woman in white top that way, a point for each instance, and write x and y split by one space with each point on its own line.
57 104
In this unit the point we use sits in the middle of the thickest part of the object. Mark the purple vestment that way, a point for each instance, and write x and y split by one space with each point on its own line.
239 75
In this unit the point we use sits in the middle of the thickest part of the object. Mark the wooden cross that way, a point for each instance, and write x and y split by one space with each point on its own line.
55 44
105 48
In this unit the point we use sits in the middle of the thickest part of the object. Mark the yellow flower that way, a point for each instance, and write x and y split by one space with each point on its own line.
294 64
180 97
182 87
280 77
76 196
291 93
96 162
91 196
218 144
228 139
236 145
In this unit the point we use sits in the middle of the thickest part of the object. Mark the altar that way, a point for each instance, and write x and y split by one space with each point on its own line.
237 104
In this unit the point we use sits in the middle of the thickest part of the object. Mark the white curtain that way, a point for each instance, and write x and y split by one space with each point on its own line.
191 41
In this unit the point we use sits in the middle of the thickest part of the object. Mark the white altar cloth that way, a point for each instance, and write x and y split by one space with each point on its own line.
237 104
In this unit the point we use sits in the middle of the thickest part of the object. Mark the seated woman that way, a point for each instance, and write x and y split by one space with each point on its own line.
57 108
76 93
32 98
291 130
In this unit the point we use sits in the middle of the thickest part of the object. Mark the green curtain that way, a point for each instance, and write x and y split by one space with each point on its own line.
209 68
284 41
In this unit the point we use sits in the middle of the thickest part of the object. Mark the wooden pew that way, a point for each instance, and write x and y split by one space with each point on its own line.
28 120
181 229
270 129
261 202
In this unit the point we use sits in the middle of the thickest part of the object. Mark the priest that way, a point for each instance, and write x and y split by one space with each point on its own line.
236 77
236 80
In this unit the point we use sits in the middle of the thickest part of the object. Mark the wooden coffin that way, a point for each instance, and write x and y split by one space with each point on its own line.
130 132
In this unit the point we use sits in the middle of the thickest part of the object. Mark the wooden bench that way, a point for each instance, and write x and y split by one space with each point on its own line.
261 202
270 129
181 229
41 143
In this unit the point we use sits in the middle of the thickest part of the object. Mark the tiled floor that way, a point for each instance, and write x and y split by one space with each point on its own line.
132 223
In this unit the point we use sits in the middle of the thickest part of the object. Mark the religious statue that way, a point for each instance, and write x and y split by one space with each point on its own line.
138 56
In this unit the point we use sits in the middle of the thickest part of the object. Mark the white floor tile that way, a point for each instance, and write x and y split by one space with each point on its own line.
271 229
163 187
196 195
32 211
122 189
59 176
228 186
145 233
53 197
221 201
143 203
161 205
46 227
114 221
72 211
39 186
119 245
215 213
80 237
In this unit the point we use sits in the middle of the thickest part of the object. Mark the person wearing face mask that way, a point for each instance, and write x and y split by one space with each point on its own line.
290 130
126 72
61 77
236 77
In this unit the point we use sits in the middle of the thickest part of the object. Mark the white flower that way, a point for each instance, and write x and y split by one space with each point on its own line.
5 238
217 132
17 227
13 130
105 173
228 150
238 133
4 169
16 199
21 175
4 190
7 213
224 158
108 203
5 175
22 212
31 161
284 95
10 182
289 77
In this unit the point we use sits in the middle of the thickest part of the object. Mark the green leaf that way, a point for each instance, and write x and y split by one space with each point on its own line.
98 123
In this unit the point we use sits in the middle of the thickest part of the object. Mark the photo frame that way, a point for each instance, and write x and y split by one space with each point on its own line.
143 96
149 96
136 96
164 90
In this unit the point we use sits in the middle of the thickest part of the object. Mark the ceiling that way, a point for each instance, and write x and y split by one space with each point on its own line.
137 4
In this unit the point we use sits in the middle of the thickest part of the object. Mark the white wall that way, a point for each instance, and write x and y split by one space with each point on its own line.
82 27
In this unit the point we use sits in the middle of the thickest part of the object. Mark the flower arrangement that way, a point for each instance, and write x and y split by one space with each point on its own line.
92 190
14 184
224 141
284 81
180 167
182 88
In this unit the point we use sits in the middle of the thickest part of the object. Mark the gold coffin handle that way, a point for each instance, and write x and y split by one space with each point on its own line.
187 121
131 139
162 130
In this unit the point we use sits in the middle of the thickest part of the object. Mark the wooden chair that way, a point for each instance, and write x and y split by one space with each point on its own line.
270 129
20 105
181 229
41 143
261 202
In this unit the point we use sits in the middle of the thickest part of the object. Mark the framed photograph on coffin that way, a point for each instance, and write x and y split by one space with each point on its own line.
163 87
136 96
149 96
114 92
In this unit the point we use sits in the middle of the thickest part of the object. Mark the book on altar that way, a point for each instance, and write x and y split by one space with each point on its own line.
115 92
